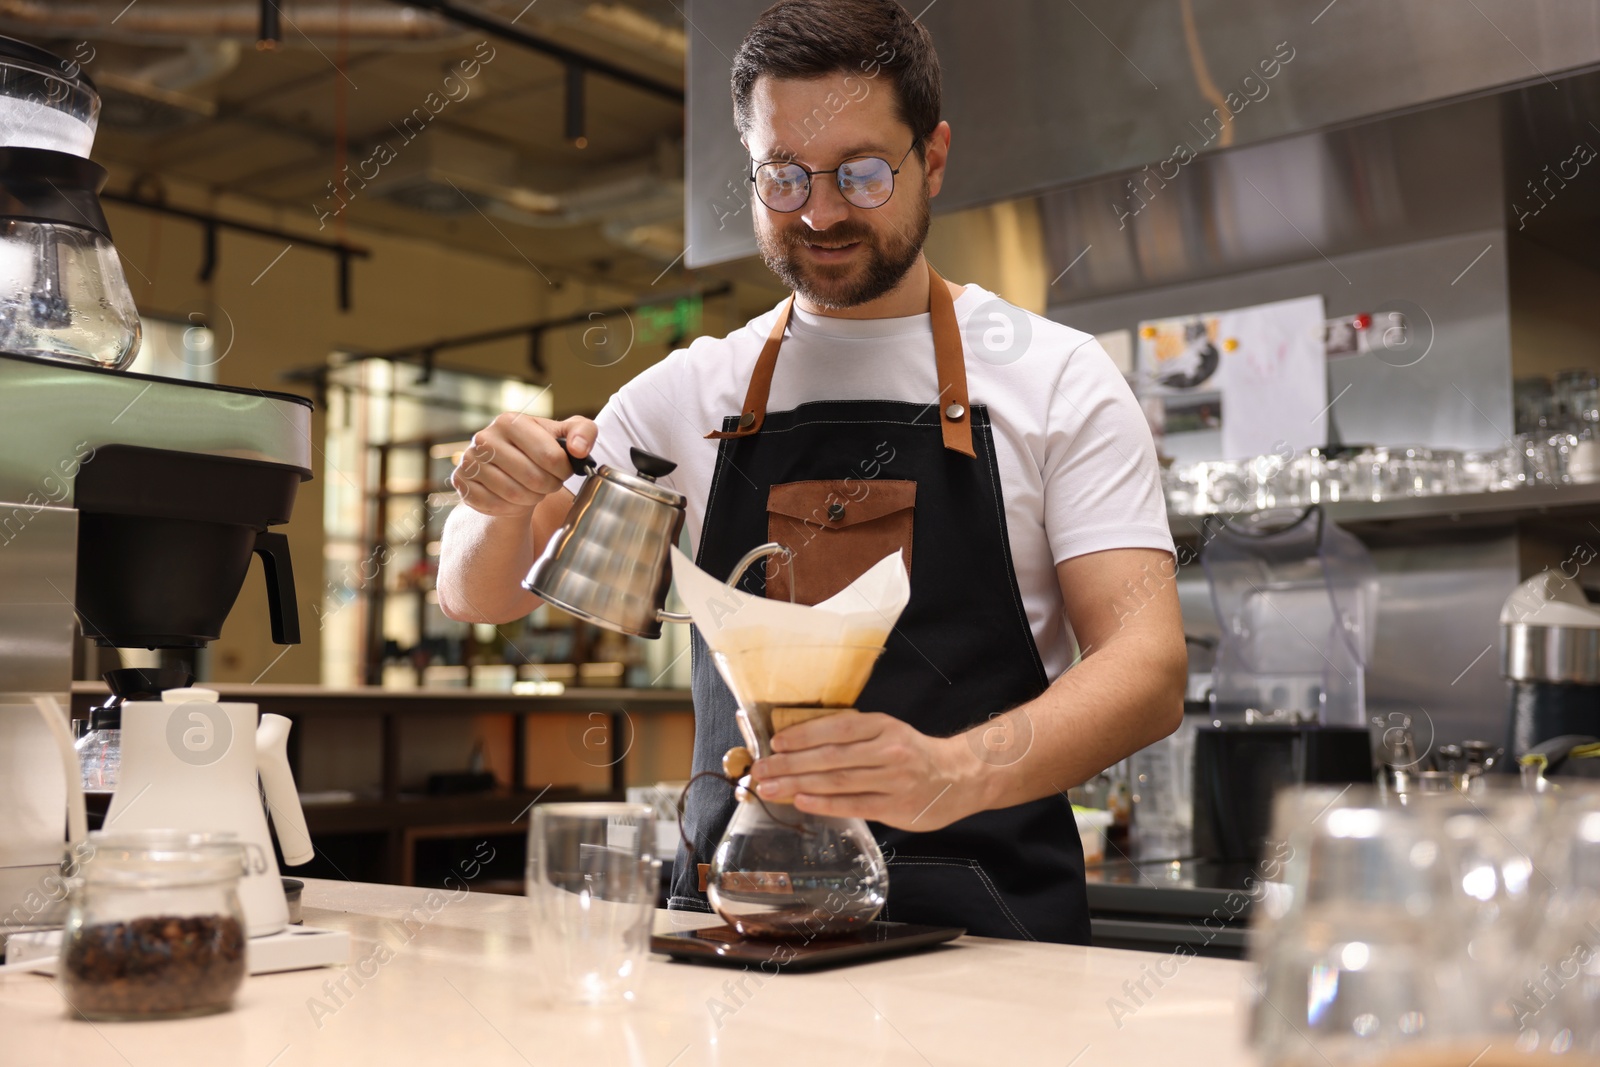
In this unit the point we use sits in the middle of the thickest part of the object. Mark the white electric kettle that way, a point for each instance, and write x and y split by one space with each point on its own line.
38 772
192 763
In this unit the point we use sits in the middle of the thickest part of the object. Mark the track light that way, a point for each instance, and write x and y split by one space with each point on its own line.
575 109
271 29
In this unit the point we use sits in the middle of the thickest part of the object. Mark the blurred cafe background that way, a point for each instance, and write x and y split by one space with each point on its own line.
420 215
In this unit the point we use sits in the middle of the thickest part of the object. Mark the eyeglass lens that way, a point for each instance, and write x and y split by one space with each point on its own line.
865 182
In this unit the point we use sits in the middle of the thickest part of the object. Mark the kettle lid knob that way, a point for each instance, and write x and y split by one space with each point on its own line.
649 465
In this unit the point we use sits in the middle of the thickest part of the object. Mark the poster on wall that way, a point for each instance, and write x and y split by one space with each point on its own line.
1175 374
1256 373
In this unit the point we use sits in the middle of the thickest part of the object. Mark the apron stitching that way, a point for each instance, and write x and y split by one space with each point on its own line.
711 497
976 868
850 422
1005 544
686 904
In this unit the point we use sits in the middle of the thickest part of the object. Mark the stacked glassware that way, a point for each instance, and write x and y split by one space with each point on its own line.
1556 441
1455 926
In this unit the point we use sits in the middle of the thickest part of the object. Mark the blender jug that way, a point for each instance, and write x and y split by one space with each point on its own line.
1297 608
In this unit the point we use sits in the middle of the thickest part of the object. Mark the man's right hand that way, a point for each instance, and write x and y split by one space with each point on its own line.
516 461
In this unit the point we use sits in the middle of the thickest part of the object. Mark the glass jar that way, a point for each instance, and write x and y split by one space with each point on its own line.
155 928
782 873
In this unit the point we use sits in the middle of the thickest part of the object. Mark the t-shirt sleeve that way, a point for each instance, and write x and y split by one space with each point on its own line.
1102 484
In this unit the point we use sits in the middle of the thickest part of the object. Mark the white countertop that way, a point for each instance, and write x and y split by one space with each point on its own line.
462 991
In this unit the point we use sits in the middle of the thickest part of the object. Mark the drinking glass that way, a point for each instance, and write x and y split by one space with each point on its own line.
1490 470
1536 458
1577 394
1534 404
1574 457
593 878
1225 484
1359 962
1556 994
1184 497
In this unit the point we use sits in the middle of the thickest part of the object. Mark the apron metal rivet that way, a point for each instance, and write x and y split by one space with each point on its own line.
954 411
835 512
747 420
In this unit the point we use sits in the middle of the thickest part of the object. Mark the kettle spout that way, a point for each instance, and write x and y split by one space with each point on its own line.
283 799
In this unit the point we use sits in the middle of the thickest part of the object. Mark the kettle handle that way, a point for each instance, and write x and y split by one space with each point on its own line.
77 815
771 548
277 782
583 466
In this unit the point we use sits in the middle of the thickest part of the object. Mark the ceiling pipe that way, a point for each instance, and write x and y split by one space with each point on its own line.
507 30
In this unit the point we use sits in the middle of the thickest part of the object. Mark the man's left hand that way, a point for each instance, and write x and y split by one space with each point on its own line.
871 766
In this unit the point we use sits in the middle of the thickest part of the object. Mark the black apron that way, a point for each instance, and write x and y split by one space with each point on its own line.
962 651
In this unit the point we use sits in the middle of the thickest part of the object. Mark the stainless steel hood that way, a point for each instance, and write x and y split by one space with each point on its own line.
1042 96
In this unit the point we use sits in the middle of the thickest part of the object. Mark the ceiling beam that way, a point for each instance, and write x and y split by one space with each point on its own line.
506 29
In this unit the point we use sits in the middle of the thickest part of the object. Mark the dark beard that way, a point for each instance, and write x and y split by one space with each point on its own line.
836 287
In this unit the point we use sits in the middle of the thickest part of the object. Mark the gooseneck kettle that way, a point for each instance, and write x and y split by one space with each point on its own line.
608 562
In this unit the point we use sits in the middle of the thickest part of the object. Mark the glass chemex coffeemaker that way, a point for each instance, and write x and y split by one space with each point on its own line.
780 872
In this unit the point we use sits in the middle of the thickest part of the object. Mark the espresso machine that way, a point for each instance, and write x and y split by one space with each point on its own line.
130 505
1550 656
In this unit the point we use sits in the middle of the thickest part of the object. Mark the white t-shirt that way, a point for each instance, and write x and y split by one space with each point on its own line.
1077 464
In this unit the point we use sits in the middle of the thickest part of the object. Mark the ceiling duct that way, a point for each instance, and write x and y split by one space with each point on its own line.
155 98
371 22
449 173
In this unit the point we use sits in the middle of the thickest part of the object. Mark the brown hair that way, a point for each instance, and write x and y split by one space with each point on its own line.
811 38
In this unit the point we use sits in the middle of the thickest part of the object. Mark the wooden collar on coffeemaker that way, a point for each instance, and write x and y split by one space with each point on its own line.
954 414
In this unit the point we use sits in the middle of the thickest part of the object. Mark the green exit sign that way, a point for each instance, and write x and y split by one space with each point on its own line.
672 322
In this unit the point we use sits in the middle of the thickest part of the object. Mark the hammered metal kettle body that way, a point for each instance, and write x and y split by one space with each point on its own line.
608 563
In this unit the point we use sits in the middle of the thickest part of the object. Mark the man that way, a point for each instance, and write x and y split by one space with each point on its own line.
1020 483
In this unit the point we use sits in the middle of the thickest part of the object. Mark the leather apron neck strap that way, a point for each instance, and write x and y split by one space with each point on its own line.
952 401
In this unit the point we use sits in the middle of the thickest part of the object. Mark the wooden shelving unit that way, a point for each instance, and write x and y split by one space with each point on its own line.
381 831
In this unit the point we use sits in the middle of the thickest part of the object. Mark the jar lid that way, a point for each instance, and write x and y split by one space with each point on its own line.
158 858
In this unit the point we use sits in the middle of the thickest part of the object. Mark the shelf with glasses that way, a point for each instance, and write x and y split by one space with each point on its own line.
1421 514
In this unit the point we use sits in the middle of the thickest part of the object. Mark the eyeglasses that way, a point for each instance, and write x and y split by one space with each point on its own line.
865 181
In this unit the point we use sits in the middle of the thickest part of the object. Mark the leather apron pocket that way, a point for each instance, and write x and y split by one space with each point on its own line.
836 529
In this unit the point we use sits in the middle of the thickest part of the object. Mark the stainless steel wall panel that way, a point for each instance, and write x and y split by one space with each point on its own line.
1458 395
1044 95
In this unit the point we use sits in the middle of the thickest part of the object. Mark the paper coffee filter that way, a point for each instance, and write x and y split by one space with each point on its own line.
783 653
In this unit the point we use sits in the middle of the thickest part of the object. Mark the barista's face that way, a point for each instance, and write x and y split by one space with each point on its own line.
834 252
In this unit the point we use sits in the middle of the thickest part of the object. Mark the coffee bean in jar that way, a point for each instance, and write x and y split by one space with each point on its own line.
161 965
156 929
